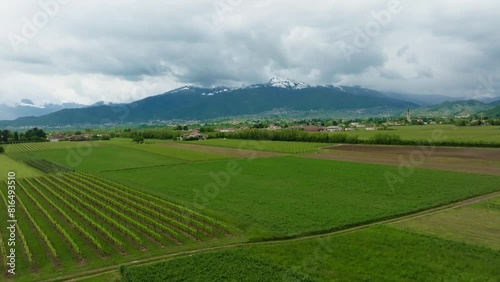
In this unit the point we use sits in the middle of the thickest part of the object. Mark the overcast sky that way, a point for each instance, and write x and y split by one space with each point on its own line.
124 50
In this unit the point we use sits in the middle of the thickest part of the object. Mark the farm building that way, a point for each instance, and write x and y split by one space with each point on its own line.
333 129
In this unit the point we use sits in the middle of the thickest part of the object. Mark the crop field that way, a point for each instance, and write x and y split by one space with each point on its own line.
89 210
286 147
46 146
475 160
289 196
8 164
475 224
446 133
71 219
375 254
100 158
176 153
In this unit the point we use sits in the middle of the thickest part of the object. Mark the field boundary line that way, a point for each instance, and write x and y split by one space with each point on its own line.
166 257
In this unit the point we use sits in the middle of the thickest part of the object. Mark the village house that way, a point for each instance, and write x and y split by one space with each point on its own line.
295 127
56 137
226 130
193 136
313 128
333 128
274 127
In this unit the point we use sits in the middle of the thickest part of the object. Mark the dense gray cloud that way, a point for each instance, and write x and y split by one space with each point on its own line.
122 50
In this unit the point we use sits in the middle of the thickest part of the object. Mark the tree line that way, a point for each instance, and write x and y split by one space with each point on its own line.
32 135
323 137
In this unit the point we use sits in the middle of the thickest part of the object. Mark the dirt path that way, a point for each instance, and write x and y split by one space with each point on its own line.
97 272
233 152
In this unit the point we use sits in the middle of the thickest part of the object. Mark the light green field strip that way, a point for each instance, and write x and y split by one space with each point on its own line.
288 147
47 146
476 224
22 170
449 132
176 153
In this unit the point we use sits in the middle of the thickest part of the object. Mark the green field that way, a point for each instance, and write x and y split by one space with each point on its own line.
286 147
449 133
76 220
127 202
287 196
100 158
375 254
10 165
173 152
45 146
476 224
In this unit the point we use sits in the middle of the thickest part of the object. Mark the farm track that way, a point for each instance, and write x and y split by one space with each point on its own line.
105 270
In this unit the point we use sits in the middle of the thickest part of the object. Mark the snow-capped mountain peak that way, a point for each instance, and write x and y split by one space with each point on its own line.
287 83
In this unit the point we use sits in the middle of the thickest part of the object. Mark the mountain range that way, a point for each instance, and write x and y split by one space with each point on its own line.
198 103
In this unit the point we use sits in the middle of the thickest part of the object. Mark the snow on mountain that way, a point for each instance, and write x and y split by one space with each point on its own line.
287 83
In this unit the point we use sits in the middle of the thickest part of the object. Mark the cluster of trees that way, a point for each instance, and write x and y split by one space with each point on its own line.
32 135
288 135
476 122
379 138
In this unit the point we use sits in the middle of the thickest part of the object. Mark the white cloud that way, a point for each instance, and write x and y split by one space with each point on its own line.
109 50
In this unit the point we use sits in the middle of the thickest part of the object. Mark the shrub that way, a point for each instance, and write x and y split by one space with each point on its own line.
2 149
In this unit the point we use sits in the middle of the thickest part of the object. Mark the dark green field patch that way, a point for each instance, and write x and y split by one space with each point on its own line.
374 254
100 158
287 196
232 265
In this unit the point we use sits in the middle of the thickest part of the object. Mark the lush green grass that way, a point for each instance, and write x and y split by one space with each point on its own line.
491 204
272 146
45 146
287 196
374 254
234 265
449 133
176 153
108 277
476 224
100 158
21 169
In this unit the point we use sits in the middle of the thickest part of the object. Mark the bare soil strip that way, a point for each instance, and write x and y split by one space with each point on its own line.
232 152
482 161
453 152
96 272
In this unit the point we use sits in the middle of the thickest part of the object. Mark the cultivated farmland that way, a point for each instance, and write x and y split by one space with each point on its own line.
376 254
289 196
71 218
87 212
45 146
272 146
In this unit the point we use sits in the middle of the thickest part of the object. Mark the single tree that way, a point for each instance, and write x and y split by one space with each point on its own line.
138 139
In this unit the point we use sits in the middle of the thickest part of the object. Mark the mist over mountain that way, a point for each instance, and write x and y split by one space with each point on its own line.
28 108
192 102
